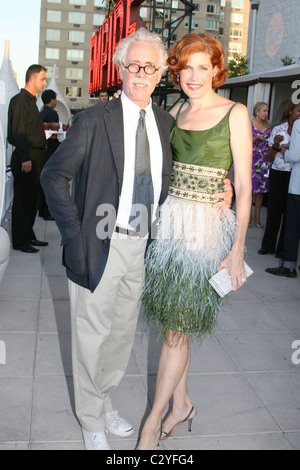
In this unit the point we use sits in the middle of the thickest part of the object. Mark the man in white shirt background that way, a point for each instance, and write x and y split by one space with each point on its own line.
289 259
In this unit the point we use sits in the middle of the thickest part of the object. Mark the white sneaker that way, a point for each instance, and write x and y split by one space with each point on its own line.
118 426
95 440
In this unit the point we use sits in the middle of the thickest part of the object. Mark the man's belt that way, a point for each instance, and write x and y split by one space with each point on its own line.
38 148
125 231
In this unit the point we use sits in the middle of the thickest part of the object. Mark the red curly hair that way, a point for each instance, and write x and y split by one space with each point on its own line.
189 44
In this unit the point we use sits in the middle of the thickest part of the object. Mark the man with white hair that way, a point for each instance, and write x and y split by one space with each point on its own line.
119 155
105 270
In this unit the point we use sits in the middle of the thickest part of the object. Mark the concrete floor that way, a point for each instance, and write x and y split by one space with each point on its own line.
242 381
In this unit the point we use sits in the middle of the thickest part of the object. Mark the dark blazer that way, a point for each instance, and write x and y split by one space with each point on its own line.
93 157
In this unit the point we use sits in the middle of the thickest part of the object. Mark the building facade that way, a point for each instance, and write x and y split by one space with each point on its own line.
273 36
273 33
225 20
67 26
66 29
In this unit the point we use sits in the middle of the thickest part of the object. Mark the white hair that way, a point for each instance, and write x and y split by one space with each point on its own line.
141 35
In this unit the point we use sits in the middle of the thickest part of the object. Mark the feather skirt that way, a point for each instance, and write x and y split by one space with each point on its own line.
192 239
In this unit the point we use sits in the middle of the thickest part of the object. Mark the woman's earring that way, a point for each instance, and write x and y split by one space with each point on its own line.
177 78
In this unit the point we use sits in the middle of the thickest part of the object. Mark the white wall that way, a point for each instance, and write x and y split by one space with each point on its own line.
277 33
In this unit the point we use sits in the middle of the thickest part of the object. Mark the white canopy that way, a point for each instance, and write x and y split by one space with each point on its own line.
282 74
259 84
2 172
4 238
8 89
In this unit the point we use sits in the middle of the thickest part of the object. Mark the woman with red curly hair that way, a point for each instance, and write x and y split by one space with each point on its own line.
194 239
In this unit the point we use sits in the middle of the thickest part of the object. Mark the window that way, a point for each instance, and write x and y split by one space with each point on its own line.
76 36
73 92
235 47
77 2
236 33
54 16
74 74
75 55
98 20
100 3
53 35
77 18
223 3
237 18
195 23
237 3
50 71
52 54
210 9
53 1
211 25
222 15
144 13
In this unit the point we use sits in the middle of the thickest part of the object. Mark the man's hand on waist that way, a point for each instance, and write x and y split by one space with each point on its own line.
26 167
226 196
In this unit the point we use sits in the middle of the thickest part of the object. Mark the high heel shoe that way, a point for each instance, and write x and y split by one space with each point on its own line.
165 435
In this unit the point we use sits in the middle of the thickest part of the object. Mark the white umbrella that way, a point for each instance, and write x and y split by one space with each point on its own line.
4 238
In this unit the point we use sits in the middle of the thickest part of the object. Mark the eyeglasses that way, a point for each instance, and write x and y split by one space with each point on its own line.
135 68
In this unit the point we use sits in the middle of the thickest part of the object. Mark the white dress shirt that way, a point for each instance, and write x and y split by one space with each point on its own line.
131 114
293 155
279 162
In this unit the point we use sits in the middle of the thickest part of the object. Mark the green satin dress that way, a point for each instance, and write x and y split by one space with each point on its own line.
193 237
209 148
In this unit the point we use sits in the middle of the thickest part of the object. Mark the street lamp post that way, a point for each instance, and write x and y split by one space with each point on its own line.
254 8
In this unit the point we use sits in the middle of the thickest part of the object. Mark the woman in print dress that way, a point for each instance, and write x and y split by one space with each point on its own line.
261 131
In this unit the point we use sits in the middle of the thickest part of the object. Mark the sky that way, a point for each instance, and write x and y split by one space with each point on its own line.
20 23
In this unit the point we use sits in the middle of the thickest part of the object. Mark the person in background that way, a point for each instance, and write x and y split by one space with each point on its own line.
49 115
289 259
278 182
261 131
26 134
102 96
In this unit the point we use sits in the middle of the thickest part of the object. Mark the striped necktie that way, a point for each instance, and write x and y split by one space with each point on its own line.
143 194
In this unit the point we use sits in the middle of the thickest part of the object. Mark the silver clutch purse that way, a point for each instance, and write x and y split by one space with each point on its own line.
221 281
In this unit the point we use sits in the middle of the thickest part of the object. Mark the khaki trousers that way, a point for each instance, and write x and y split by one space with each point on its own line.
103 329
